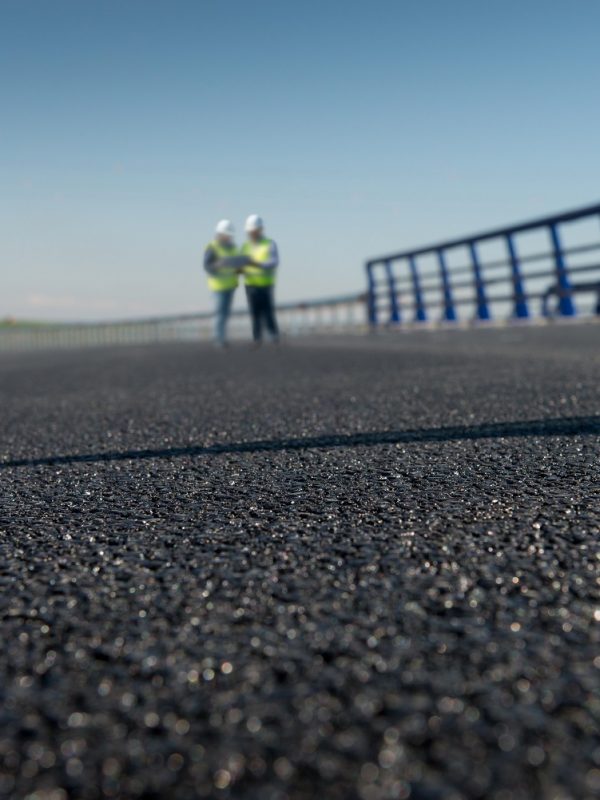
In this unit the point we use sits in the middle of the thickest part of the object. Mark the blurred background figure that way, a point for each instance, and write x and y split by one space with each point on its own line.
220 264
259 277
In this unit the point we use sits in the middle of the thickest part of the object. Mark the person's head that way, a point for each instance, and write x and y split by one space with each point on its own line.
225 232
254 227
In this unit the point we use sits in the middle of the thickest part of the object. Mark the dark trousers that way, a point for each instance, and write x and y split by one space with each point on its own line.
262 310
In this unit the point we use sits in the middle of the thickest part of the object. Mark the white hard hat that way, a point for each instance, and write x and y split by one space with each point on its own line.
254 223
225 228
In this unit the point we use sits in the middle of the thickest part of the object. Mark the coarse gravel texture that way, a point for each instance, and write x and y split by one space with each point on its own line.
342 568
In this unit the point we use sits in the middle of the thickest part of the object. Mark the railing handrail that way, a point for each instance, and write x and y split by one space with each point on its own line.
397 274
356 297
448 244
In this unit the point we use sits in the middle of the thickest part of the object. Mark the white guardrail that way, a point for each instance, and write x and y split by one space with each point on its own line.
329 315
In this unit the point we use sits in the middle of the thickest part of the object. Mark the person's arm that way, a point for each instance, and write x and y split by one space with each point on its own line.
273 260
210 261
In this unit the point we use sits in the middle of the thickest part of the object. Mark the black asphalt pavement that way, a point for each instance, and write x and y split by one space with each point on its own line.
357 567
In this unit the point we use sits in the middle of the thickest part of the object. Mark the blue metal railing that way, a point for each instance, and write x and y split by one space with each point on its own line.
403 288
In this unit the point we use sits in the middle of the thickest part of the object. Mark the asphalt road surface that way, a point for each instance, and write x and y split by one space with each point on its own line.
348 568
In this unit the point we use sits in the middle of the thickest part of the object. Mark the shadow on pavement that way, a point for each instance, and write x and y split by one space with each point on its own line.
574 426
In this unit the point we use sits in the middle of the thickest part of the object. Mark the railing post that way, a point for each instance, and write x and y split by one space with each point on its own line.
449 310
420 311
394 307
598 292
371 297
565 294
521 309
483 311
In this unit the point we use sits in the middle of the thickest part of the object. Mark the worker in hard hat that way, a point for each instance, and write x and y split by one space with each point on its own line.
220 264
259 277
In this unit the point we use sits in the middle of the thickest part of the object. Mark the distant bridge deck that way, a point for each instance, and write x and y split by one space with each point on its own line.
344 568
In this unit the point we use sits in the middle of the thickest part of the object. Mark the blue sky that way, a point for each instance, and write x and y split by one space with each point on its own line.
129 127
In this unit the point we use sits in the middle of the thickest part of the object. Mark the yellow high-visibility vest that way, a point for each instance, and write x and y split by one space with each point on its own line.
225 278
260 252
